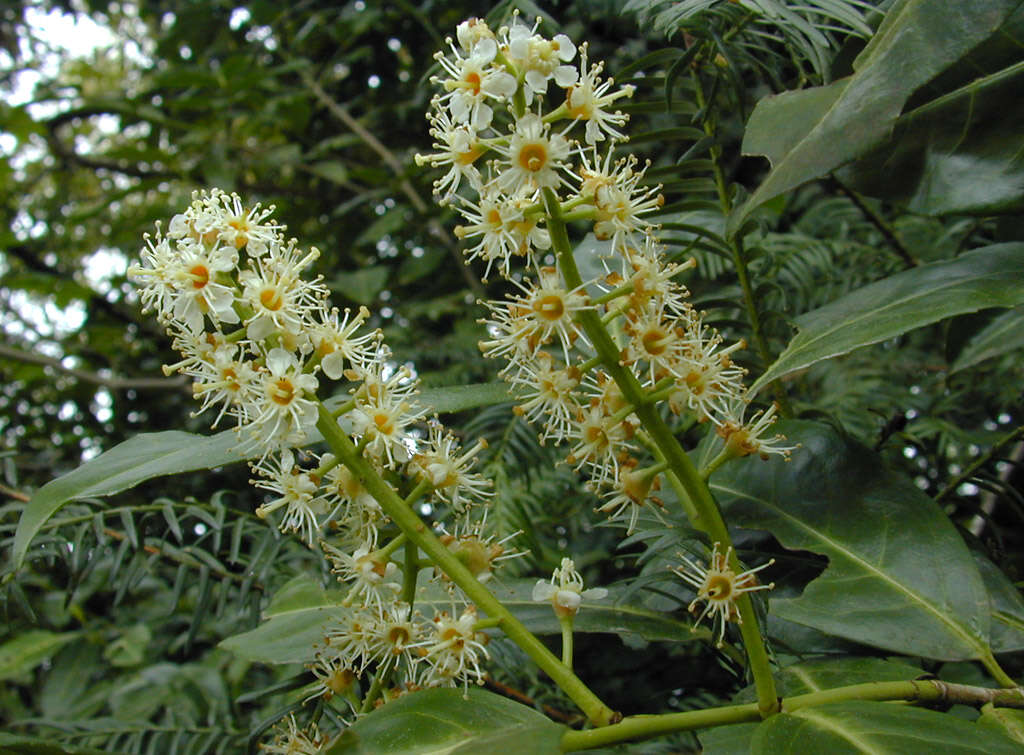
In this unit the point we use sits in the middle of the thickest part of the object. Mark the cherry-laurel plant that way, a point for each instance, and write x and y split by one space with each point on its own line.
603 352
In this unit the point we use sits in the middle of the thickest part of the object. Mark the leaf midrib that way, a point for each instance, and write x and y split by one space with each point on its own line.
957 628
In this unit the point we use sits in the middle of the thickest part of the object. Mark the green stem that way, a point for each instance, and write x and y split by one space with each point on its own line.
566 622
412 571
981 461
374 692
992 666
932 690
421 536
708 518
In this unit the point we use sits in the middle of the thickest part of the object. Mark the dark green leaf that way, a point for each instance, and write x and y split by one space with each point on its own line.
361 286
450 721
27 650
804 678
957 154
18 745
918 40
1006 606
899 576
992 276
860 726
1004 334
1006 721
156 454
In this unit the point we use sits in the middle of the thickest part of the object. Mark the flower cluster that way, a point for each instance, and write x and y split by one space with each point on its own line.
525 123
259 340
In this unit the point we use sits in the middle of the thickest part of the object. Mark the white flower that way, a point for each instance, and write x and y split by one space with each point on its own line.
372 578
459 147
472 81
565 590
538 60
588 97
446 467
295 741
619 198
600 439
223 378
709 381
280 299
504 228
630 492
183 283
720 586
336 343
548 394
750 437
533 157
384 411
280 412
543 313
296 493
456 650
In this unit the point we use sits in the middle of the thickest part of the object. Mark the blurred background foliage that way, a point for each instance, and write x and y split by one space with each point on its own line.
317 107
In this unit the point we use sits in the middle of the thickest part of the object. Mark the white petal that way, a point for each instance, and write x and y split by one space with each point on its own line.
565 76
543 591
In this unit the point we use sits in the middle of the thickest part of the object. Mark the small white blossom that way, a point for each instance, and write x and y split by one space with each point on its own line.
565 590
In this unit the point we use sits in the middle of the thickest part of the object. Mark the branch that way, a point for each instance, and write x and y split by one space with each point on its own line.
112 382
922 691
340 112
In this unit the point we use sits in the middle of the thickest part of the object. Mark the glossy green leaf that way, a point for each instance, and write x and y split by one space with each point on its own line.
450 722
899 576
1006 607
992 276
1004 334
957 154
301 612
152 455
859 727
1006 721
27 650
829 673
295 620
918 40
804 678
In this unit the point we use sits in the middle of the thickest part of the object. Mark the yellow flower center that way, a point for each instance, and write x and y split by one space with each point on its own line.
533 157
282 391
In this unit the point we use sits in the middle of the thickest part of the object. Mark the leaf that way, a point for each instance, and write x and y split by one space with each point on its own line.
15 744
301 612
1006 607
27 650
333 170
1004 334
804 678
1006 721
829 673
157 454
361 286
917 41
992 276
861 726
959 153
899 576
451 722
